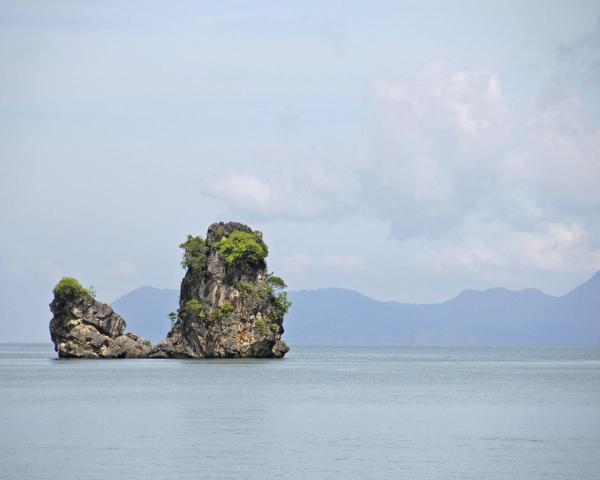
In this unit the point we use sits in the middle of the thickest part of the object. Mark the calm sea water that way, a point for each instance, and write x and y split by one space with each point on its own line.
339 413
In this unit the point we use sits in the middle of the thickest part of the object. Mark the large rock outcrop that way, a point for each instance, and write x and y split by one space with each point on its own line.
82 327
229 305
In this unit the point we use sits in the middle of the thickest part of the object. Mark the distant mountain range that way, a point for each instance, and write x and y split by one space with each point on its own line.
334 316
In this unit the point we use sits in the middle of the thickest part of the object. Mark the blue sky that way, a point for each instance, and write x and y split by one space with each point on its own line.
407 150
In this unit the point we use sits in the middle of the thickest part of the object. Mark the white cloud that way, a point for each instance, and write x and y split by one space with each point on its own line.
443 159
246 192
427 140
300 263
476 255
492 250
436 145
318 183
557 247
562 156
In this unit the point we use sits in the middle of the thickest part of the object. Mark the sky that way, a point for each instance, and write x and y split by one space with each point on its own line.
405 149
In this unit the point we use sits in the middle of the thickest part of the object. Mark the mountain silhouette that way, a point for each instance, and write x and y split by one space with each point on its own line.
335 316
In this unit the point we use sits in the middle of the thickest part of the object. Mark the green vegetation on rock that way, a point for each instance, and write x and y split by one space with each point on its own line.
219 313
261 326
260 293
194 307
255 293
243 248
282 304
194 255
275 281
218 232
69 288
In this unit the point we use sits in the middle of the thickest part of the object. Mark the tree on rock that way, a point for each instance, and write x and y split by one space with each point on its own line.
243 248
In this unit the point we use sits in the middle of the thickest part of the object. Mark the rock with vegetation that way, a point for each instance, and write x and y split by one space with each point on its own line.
229 306
83 327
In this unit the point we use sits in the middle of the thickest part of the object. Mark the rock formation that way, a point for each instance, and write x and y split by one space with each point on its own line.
82 327
228 305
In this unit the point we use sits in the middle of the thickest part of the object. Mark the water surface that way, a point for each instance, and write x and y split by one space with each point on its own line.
338 413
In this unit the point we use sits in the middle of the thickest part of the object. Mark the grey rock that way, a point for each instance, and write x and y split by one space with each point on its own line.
83 327
253 328
227 309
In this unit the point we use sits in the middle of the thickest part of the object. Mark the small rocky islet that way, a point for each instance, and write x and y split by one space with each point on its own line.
230 306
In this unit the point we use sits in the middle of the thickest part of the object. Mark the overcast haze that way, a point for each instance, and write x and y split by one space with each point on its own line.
407 150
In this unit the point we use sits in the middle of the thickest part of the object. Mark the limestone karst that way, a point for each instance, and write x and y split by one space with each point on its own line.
83 327
230 306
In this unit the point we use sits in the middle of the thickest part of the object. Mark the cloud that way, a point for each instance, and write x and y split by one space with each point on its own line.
557 247
247 192
475 255
561 157
578 65
446 151
314 187
300 263
444 159
487 249
429 138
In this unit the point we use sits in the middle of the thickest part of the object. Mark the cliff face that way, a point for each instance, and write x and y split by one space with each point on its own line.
228 303
85 328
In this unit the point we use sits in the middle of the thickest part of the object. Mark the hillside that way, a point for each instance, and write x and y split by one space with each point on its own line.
333 316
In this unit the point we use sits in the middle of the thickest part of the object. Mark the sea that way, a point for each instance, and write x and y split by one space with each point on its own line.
320 413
